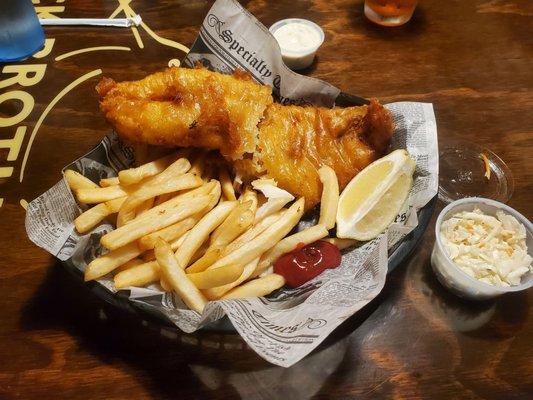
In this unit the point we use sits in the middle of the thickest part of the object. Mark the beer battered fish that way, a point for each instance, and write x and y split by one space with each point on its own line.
231 113
188 108
294 142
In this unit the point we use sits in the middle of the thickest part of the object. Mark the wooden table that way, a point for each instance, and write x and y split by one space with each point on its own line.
472 59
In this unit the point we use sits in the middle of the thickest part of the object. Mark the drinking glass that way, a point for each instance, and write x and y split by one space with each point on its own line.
390 12
21 34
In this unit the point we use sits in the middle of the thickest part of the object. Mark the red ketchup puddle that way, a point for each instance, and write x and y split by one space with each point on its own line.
306 262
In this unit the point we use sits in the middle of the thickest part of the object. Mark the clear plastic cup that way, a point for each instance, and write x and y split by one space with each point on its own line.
452 276
463 172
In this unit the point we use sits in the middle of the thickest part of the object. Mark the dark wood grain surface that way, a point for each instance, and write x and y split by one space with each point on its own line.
473 59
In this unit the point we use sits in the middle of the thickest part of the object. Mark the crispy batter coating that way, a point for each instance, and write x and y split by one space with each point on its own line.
294 142
231 113
188 108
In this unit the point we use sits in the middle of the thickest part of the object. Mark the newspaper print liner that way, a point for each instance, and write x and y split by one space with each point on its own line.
288 324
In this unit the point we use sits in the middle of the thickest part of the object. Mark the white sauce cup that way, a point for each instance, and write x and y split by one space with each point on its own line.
451 275
302 58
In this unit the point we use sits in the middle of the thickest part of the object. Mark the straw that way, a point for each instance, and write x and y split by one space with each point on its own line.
118 22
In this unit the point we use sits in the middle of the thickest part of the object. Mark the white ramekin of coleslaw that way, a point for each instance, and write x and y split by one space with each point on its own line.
483 248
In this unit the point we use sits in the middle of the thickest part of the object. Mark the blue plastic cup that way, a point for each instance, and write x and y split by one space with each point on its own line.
21 34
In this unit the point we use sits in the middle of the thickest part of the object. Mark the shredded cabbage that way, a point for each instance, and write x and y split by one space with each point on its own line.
490 249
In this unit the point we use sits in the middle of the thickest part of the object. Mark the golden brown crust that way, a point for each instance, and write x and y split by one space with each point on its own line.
295 141
233 114
187 107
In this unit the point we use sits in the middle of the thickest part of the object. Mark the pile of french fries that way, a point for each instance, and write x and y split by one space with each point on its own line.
178 226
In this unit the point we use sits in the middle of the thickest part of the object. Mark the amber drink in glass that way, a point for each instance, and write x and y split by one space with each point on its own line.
390 12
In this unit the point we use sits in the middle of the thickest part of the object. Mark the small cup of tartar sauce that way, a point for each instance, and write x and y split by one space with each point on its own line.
483 248
299 39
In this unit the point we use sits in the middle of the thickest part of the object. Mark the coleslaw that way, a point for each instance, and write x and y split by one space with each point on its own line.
490 249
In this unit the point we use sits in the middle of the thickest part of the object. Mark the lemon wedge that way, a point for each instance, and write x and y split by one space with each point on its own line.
373 198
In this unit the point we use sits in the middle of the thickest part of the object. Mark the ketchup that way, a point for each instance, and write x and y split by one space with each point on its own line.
306 262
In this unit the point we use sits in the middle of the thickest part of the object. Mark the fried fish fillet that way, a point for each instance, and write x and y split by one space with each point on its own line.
188 108
294 142
231 113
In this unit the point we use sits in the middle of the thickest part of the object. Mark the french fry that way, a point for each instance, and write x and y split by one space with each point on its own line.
330 196
176 276
144 206
131 263
198 253
149 255
169 233
100 194
216 277
252 233
140 275
143 198
205 261
227 186
256 288
145 224
76 181
198 166
237 183
342 243
211 188
200 232
110 261
163 197
217 292
265 240
249 196
178 242
135 175
228 244
105 182
215 190
175 231
172 179
238 220
164 284
288 244
94 215
272 206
